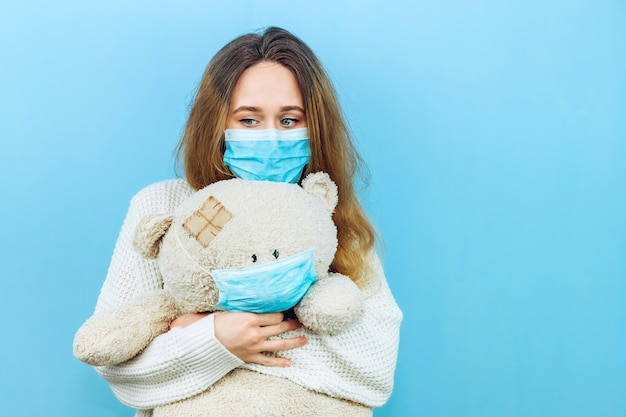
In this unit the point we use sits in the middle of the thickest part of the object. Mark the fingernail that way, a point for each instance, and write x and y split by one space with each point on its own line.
286 363
303 340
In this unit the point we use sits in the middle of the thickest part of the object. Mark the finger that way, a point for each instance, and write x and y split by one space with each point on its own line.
278 345
282 327
267 360
269 319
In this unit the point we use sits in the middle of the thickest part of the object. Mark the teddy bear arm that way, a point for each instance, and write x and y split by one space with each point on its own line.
331 305
113 337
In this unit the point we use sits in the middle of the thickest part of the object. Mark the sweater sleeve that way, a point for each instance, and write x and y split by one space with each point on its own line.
357 364
179 363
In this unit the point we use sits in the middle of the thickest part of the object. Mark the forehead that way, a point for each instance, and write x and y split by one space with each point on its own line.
266 84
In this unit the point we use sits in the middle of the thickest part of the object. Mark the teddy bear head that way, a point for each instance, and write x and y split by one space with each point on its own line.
236 224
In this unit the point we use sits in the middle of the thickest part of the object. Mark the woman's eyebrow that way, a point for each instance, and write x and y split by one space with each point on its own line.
290 108
253 109
246 108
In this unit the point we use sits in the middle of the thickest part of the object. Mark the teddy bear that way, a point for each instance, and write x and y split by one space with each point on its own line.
221 237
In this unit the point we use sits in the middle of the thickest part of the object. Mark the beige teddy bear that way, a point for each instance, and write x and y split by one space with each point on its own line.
225 230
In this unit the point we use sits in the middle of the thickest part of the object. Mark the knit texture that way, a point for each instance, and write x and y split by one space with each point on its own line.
357 364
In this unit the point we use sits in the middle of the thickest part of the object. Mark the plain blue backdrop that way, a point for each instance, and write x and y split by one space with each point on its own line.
495 133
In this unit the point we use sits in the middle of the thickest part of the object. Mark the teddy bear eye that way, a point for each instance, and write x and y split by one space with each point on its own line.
275 253
253 258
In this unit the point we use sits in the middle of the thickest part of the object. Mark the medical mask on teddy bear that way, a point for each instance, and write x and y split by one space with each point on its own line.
271 287
268 288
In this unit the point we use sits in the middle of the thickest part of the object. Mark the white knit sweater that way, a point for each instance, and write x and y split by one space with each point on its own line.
357 364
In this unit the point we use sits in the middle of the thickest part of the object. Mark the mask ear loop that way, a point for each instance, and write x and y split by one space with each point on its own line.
189 255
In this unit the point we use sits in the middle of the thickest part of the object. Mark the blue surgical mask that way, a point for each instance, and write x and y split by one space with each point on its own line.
271 287
267 154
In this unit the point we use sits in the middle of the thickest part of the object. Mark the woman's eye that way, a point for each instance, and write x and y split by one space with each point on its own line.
288 122
248 122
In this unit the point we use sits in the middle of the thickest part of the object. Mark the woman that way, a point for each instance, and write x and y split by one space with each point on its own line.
270 82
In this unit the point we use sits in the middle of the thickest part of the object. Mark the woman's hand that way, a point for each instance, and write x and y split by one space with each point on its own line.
246 335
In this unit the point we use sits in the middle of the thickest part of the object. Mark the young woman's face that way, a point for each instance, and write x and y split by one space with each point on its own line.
266 96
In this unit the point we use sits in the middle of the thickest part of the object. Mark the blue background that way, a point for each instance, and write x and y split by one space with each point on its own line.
495 132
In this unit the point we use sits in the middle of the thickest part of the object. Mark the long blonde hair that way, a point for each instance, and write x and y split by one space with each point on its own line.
201 147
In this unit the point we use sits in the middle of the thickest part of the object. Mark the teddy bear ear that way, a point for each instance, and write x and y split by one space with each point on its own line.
320 185
149 232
